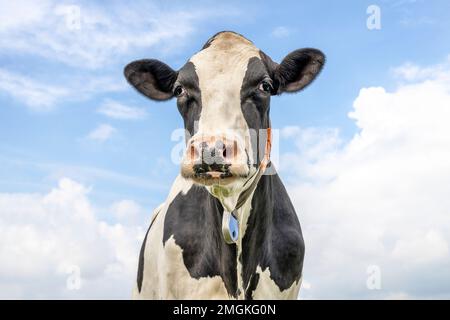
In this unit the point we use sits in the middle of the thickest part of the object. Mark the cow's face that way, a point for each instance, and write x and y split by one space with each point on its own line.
223 94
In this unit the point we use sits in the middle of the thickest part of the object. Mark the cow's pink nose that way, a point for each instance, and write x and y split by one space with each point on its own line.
211 152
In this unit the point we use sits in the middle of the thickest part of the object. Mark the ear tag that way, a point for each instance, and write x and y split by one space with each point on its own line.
230 227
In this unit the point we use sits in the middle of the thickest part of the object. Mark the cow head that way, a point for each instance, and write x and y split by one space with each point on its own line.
223 94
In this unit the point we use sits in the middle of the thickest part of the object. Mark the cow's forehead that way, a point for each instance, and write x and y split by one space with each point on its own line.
225 53
227 39
221 68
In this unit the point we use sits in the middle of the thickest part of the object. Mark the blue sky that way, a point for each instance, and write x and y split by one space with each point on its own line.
54 139
67 112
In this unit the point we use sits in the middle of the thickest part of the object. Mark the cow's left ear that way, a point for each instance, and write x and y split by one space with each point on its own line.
298 69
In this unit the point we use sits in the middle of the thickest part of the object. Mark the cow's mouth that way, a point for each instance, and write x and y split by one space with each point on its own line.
222 174
212 174
213 171
214 178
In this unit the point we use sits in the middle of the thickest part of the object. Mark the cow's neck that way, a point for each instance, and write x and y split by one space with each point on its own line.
237 199
255 213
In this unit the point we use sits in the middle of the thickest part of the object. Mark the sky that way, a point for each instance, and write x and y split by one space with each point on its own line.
363 151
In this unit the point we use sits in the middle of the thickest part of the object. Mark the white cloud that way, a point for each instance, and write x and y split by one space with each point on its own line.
289 131
380 198
128 212
37 96
29 12
43 235
40 96
412 72
280 32
432 246
102 133
93 35
117 110
79 47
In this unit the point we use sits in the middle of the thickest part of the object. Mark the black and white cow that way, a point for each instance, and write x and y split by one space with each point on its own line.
223 94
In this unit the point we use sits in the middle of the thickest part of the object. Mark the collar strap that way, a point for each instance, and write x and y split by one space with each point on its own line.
230 224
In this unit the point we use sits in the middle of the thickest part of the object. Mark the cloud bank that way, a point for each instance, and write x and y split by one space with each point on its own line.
380 199
68 52
87 35
46 239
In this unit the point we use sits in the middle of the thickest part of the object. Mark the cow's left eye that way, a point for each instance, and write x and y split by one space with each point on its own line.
265 86
179 91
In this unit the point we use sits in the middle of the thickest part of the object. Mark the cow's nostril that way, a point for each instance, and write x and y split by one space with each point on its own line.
220 146
194 152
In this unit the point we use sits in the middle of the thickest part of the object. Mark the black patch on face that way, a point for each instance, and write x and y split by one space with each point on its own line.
271 68
255 104
190 104
273 238
195 222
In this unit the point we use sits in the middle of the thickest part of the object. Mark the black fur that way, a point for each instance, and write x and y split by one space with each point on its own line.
255 104
273 237
190 106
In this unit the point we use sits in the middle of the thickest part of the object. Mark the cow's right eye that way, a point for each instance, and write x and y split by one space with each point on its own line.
265 86
179 91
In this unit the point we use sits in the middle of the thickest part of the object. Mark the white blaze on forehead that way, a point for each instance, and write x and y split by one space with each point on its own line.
221 70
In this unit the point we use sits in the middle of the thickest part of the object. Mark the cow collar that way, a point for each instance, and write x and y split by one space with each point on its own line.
230 223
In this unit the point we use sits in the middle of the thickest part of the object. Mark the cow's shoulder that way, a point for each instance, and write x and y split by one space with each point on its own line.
273 226
287 244
193 221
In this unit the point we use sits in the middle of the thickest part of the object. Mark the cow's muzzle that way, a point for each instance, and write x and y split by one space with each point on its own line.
209 159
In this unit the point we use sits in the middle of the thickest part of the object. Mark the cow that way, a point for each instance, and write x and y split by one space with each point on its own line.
227 229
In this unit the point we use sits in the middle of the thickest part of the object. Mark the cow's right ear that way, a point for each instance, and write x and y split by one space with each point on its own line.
152 78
